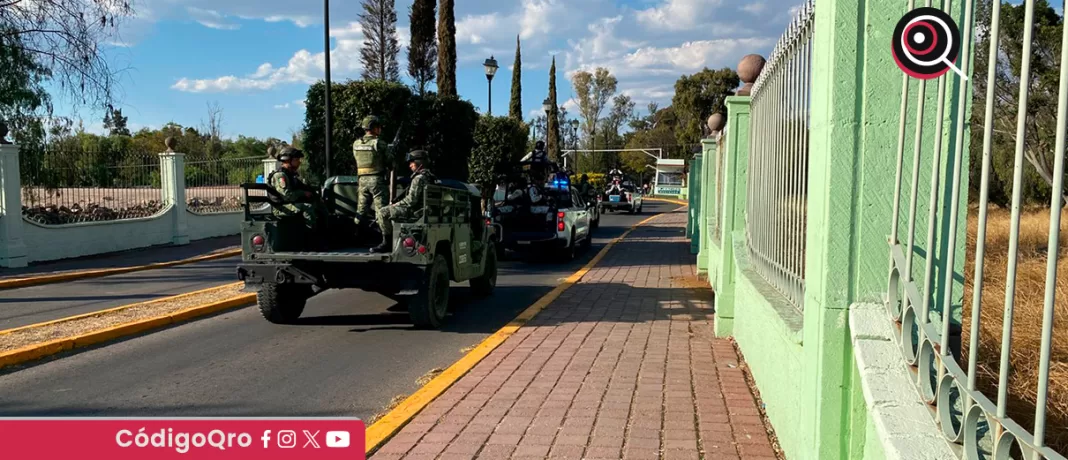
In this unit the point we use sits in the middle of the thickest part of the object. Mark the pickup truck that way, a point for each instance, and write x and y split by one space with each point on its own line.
559 221
626 197
286 263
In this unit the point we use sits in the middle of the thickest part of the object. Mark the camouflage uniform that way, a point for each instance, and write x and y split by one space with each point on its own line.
372 163
407 206
288 184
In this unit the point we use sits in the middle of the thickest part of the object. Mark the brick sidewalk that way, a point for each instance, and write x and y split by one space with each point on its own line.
622 365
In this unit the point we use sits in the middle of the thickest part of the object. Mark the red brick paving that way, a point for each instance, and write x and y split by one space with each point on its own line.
623 365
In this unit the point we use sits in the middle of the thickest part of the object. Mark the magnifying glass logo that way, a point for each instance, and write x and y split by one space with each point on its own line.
926 44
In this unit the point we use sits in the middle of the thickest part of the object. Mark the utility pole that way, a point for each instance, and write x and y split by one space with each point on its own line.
326 48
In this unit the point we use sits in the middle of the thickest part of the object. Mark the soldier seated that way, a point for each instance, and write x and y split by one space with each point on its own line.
410 204
301 199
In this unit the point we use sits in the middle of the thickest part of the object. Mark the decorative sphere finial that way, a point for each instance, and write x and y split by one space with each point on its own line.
716 122
170 142
271 151
748 71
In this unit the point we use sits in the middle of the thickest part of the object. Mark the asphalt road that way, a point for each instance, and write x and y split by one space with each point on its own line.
349 356
29 305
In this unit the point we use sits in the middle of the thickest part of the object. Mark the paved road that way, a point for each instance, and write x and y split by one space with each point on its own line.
19 307
349 357
131 258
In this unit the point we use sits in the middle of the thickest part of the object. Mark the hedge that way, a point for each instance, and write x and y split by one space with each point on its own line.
443 126
499 143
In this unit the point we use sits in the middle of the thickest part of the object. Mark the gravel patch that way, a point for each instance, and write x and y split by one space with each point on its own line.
22 337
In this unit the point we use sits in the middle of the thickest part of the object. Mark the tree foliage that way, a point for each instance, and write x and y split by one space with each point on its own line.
380 47
423 49
552 142
515 107
447 48
620 115
1041 119
115 122
593 91
499 142
697 97
442 125
58 43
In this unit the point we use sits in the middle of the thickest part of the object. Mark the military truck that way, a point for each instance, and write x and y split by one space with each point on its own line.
286 262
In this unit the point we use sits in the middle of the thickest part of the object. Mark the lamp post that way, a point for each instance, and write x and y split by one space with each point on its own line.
491 70
547 106
326 49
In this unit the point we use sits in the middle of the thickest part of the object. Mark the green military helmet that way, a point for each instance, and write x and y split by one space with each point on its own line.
370 122
289 153
418 156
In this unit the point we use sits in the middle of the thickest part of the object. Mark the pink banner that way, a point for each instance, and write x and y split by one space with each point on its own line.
196 438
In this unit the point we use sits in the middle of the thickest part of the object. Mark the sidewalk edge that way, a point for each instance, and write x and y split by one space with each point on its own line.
388 425
29 281
667 200
44 349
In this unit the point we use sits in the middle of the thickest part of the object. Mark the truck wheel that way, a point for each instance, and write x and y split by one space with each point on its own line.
427 308
483 285
281 303
568 253
588 242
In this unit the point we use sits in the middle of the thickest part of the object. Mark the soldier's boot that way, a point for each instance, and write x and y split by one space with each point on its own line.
385 246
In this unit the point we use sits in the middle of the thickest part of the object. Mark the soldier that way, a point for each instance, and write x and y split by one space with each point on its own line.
373 164
407 206
286 180
584 188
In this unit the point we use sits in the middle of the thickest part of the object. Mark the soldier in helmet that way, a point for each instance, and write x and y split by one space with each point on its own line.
412 201
372 167
286 180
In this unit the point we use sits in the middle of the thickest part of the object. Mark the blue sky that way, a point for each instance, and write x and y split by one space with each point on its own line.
256 58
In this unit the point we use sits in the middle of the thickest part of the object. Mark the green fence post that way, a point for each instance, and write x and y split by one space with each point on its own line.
694 186
735 180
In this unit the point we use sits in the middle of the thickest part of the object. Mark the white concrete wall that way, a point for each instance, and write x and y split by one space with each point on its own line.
23 241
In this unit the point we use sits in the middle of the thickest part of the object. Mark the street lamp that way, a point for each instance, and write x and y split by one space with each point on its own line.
574 133
491 70
326 52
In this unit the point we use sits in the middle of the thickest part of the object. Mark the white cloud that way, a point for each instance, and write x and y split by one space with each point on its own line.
298 20
211 18
300 102
282 106
755 8
678 14
473 30
537 17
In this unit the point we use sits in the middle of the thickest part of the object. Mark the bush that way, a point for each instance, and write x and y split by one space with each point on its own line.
444 126
499 142
599 181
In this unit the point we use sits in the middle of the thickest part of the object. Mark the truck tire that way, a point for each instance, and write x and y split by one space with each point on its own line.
569 252
483 285
281 303
427 308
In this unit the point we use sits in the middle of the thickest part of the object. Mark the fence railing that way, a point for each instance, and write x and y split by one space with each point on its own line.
778 161
70 184
214 186
999 401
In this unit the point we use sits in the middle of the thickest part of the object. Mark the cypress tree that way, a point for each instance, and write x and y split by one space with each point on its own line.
552 145
423 50
515 109
447 48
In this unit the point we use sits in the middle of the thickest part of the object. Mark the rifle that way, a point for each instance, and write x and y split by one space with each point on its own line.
392 169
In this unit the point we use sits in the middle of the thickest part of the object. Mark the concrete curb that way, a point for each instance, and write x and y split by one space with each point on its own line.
388 425
14 283
43 349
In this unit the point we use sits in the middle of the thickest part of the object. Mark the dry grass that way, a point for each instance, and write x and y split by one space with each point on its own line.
393 403
22 337
427 377
1027 317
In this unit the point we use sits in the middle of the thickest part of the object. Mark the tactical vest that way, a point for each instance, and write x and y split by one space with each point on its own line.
368 161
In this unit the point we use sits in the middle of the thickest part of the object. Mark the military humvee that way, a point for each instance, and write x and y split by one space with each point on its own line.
287 263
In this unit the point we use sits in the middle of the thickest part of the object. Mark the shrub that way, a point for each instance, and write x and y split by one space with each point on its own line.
499 142
443 126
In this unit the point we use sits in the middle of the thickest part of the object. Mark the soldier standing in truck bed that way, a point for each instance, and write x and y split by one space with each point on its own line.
372 167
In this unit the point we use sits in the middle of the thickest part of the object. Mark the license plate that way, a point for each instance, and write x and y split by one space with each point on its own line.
614 198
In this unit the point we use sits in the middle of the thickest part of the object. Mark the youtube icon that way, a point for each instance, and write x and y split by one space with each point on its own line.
337 439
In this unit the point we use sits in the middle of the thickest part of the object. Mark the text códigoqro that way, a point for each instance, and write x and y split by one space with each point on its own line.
181 442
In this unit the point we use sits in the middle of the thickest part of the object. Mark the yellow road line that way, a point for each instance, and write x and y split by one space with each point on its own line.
83 274
43 349
388 425
668 200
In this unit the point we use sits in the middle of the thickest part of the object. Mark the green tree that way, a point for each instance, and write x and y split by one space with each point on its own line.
380 47
447 48
697 97
593 91
515 108
620 115
552 142
1041 119
115 122
423 49
499 142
